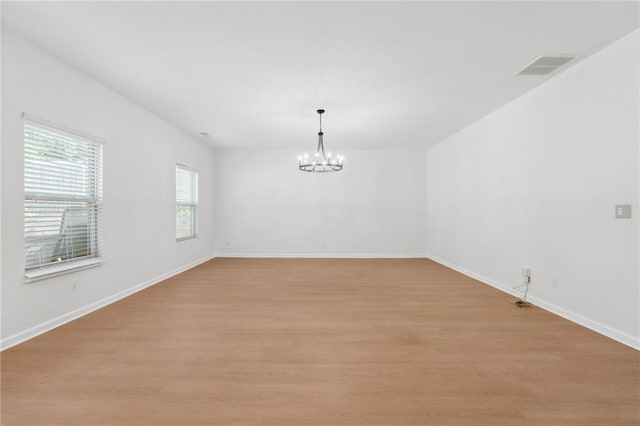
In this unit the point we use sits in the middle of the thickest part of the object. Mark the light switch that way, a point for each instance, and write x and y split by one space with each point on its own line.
623 211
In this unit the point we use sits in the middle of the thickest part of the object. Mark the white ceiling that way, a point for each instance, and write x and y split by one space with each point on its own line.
253 74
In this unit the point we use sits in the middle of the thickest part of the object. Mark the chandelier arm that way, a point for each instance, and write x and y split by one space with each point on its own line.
320 148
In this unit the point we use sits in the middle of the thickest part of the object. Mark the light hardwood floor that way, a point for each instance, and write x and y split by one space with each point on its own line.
320 342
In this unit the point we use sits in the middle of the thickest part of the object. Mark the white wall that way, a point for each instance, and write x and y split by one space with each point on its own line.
535 183
140 153
374 207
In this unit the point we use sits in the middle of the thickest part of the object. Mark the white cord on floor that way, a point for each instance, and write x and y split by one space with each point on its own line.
526 288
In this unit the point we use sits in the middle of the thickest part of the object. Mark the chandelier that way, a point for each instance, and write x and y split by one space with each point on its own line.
319 162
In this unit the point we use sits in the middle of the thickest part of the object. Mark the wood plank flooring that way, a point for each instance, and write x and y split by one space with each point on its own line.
320 342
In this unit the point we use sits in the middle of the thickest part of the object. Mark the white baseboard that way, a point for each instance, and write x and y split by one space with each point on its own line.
326 255
617 335
39 329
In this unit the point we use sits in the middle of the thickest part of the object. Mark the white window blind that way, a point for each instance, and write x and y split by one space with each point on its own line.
63 200
186 202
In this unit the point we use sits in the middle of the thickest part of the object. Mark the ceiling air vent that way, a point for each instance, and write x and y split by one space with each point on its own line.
546 64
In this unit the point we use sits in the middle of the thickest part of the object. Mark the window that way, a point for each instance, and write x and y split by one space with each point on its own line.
186 203
62 200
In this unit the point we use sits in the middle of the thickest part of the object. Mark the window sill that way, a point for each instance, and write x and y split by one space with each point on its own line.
55 270
191 237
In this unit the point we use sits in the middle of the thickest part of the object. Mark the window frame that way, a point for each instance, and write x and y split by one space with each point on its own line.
192 205
95 202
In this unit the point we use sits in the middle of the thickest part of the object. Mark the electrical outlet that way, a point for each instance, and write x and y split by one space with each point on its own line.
74 286
555 283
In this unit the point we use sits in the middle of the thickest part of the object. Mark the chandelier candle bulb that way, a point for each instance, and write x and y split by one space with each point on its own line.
322 162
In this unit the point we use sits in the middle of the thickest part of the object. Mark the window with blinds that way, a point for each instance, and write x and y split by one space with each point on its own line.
62 200
186 203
